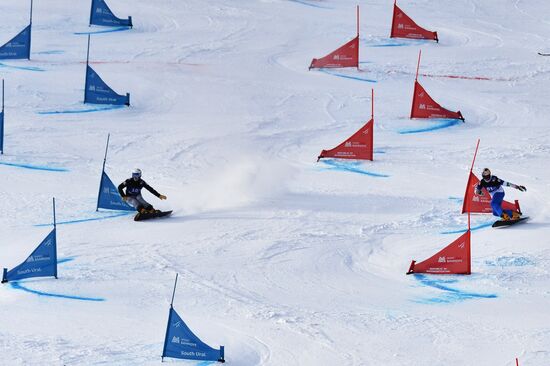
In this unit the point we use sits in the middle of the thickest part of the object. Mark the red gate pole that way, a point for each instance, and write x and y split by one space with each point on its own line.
357 37
475 154
372 103
418 65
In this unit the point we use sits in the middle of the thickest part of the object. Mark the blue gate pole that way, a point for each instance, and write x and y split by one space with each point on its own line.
2 126
30 32
55 238
102 171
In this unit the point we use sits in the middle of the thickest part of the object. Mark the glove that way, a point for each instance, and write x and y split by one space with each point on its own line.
162 197
522 188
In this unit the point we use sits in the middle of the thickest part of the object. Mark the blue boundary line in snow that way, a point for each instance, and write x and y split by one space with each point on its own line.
327 71
395 43
78 221
349 167
27 68
309 4
452 198
473 228
65 260
52 52
17 286
34 167
386 45
451 294
443 123
117 29
90 110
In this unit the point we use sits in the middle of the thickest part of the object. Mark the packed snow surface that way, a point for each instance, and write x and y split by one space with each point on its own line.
282 260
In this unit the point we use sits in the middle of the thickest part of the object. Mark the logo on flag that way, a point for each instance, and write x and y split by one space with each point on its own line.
19 47
423 106
453 259
104 16
404 27
42 262
98 92
345 56
109 198
181 342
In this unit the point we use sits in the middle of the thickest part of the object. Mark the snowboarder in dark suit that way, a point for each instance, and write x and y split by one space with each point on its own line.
133 195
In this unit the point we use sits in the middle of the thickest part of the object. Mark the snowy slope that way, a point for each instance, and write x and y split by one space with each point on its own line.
283 260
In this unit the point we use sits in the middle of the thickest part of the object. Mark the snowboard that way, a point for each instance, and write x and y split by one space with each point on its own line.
147 216
502 223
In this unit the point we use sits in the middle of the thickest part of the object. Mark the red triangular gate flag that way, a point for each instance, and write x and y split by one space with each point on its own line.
482 204
403 26
358 146
345 56
423 106
455 258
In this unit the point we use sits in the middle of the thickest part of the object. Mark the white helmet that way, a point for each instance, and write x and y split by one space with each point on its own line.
136 173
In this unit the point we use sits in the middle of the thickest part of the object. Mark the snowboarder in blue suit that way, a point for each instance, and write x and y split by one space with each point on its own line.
493 185
133 193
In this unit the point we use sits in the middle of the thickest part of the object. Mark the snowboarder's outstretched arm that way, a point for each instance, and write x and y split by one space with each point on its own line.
496 182
152 190
521 188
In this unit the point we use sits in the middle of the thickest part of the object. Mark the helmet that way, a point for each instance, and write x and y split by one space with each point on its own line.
486 174
136 173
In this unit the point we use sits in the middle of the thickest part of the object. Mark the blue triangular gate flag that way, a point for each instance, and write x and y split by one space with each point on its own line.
109 197
41 263
19 47
2 131
97 92
180 342
100 14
